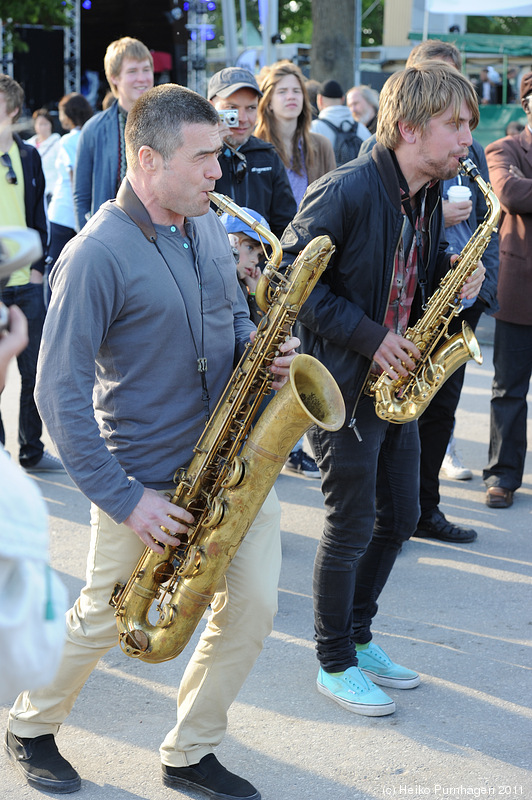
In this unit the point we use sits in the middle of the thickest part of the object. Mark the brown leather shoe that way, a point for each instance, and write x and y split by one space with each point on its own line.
499 497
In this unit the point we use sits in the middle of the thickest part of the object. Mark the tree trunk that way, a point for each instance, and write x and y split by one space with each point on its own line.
333 39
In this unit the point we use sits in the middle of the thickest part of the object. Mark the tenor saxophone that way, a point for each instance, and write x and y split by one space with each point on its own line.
406 398
234 465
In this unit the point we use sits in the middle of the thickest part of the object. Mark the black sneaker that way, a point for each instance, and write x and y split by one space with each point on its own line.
302 464
42 764
211 778
436 526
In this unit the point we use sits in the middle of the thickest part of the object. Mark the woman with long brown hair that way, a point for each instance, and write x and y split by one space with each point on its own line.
284 118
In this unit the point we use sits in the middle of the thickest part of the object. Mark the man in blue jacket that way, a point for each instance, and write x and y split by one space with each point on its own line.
101 155
383 214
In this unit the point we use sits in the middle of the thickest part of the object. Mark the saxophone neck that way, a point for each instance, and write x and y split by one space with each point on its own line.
492 201
273 263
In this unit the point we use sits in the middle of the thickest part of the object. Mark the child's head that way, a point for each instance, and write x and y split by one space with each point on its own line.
244 240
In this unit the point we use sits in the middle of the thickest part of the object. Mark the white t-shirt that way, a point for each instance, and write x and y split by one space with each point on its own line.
61 208
47 150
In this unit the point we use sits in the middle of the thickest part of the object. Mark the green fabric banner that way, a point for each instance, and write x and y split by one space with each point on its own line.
480 43
493 122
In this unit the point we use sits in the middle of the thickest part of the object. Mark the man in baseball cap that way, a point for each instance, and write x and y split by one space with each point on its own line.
248 248
229 80
236 88
253 174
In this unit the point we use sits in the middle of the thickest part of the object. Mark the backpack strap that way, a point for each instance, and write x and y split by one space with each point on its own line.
353 126
330 124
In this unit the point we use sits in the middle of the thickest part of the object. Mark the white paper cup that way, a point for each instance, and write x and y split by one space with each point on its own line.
457 194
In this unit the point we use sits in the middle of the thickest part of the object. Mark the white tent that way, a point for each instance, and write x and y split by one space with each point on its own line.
481 8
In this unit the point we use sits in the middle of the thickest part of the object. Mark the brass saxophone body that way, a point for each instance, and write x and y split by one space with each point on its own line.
406 398
234 465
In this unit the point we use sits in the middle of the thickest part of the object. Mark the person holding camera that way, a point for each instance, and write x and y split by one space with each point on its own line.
253 174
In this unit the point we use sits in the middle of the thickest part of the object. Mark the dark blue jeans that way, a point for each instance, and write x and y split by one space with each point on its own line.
512 362
59 236
29 298
371 491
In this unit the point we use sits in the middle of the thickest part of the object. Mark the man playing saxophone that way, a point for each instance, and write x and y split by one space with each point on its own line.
383 214
145 321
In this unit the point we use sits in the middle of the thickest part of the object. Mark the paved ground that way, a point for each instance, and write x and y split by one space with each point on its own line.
460 615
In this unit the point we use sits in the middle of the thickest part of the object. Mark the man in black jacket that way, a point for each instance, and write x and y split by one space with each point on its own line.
253 175
436 424
22 204
383 214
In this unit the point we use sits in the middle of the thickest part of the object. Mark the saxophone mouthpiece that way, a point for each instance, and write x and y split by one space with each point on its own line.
468 167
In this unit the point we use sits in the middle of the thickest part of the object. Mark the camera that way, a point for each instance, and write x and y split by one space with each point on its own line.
229 116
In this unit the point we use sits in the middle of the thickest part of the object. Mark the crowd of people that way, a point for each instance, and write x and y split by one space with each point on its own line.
134 255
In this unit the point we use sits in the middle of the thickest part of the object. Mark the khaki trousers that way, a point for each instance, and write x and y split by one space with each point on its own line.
241 618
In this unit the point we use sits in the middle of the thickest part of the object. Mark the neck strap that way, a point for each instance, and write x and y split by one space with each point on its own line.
130 203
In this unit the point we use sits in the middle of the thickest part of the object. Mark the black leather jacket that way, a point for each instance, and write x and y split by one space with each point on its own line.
487 296
265 186
359 207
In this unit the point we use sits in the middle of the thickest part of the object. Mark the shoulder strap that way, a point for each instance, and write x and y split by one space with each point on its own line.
330 124
127 201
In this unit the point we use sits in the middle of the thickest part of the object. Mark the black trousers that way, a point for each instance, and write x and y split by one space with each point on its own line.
512 362
437 422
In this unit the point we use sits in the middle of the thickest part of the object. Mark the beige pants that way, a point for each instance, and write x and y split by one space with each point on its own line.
241 617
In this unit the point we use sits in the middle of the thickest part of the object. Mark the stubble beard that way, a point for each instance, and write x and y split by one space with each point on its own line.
442 170
235 143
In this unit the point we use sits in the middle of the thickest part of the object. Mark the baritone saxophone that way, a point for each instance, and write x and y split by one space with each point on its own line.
235 463
404 399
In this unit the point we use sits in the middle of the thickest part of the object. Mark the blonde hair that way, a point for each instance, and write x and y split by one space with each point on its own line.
419 93
266 128
127 47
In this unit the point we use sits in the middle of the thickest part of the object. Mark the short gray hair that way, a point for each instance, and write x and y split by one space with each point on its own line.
370 95
157 118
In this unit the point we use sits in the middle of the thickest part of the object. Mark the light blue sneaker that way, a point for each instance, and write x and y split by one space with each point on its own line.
382 670
354 691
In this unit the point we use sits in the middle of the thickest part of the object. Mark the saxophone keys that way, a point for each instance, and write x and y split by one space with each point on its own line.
163 572
235 475
435 374
134 642
194 563
215 514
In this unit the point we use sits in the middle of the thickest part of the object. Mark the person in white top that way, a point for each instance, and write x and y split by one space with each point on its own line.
332 108
33 600
47 143
74 111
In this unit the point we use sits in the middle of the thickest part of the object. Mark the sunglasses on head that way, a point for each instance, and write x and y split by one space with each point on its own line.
240 166
11 176
239 162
